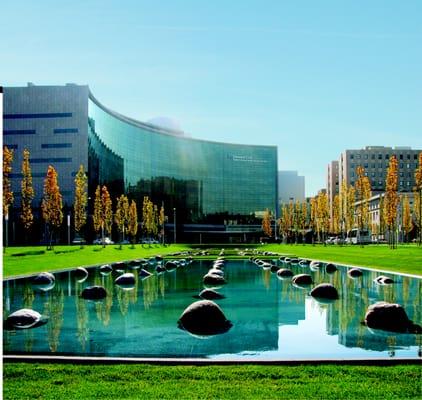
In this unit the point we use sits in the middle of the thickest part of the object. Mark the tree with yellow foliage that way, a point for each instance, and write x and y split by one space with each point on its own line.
350 208
363 194
323 215
266 223
418 197
407 218
81 200
7 191
121 217
52 204
133 222
107 209
103 213
161 221
391 200
335 225
313 221
28 193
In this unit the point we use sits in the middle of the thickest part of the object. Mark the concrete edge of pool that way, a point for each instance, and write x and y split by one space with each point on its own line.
200 259
204 361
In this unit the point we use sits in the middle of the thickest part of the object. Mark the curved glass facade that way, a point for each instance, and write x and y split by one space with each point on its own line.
207 182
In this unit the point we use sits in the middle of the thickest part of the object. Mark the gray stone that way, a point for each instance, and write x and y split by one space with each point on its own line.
24 318
43 278
212 279
302 279
126 279
210 294
204 317
390 317
94 293
325 291
354 272
284 273
330 268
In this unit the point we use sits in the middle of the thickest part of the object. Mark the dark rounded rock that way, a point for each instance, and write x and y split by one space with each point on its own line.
119 266
81 274
144 273
294 260
94 293
284 273
43 278
302 279
325 291
159 269
126 279
330 268
215 271
24 318
204 317
274 268
383 280
315 264
170 265
105 269
158 258
354 272
210 294
390 317
134 264
212 279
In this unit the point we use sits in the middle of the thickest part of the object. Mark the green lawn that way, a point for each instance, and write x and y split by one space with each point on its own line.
406 258
60 381
26 260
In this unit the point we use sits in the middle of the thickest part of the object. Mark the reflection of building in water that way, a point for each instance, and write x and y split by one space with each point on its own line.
345 316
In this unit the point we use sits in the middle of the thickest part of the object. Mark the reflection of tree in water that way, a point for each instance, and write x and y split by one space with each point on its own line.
53 308
266 278
123 299
161 284
81 317
133 294
150 290
103 307
28 300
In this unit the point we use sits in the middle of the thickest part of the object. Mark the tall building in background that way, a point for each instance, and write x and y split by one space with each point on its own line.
375 160
291 187
332 183
203 182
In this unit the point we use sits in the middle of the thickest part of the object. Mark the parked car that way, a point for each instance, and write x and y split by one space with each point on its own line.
339 240
356 236
330 240
78 240
107 240
149 241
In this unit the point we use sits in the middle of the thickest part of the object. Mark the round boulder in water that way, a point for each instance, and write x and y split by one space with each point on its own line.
204 317
170 265
212 279
390 317
24 318
119 266
354 272
210 294
126 279
302 279
330 268
325 291
215 271
383 280
94 293
81 274
43 278
105 269
284 273
159 269
144 273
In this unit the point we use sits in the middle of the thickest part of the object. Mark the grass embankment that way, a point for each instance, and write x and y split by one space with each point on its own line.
27 260
58 381
405 259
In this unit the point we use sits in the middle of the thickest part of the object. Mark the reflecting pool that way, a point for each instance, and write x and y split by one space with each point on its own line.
272 319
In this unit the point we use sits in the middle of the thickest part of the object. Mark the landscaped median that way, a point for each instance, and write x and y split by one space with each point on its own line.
140 381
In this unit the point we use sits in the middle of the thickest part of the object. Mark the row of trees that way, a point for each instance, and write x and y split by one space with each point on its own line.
350 209
125 216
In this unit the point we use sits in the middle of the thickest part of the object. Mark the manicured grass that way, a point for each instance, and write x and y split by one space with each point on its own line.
26 260
60 381
406 258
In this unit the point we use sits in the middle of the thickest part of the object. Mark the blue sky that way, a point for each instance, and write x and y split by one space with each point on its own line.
312 77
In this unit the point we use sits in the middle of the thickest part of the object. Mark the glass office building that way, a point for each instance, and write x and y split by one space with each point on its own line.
206 182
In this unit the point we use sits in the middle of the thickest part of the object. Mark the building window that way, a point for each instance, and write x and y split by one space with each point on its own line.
33 174
379 156
352 156
40 115
387 156
66 130
401 157
19 132
401 165
373 165
55 145
365 165
365 156
50 160
11 146
401 174
373 157
352 174
358 156
408 156
407 165
373 174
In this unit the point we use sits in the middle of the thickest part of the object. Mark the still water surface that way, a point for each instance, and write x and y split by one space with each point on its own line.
271 318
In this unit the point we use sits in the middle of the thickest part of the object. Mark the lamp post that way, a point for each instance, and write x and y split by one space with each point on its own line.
174 225
6 241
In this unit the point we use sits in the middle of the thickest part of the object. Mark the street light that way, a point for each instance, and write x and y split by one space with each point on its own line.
6 217
174 225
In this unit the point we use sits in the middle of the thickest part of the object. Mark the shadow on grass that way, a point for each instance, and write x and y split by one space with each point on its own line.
66 251
29 253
